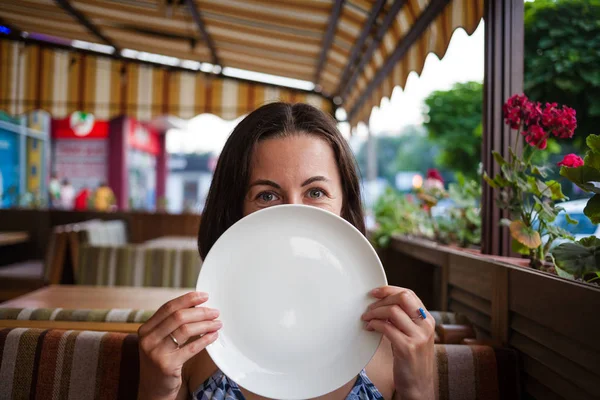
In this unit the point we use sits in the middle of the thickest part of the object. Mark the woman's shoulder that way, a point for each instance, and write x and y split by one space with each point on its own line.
197 370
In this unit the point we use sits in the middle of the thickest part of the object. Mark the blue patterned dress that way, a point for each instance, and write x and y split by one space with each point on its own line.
220 387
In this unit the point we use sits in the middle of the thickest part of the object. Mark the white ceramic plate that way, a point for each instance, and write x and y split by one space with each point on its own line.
291 283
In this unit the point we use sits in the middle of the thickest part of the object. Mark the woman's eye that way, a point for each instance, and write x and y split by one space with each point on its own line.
315 193
266 197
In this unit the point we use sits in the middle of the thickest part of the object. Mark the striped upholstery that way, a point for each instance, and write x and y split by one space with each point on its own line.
476 372
55 364
136 265
60 314
443 317
69 365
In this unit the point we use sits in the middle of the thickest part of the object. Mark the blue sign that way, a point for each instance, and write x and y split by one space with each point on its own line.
9 168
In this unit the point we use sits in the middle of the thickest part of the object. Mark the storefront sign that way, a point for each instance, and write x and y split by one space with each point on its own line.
79 125
143 138
83 162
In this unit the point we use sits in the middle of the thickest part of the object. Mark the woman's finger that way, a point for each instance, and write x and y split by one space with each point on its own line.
395 315
191 349
176 320
188 300
188 331
397 338
385 291
408 301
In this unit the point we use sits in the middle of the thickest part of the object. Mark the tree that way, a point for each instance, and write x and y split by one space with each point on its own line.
562 58
407 151
453 122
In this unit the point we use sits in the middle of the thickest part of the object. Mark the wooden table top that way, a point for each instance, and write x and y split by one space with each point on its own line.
8 238
95 297
89 297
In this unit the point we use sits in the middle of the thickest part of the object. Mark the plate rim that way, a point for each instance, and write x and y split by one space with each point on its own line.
333 217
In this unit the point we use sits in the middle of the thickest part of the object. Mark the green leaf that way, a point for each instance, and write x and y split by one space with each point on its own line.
576 259
590 241
592 159
592 209
584 177
593 142
556 193
525 235
541 171
490 181
562 273
508 173
571 220
519 248
499 159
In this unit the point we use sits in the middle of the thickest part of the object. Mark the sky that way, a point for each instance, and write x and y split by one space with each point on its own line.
463 62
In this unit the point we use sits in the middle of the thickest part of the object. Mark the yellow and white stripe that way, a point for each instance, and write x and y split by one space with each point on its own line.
61 82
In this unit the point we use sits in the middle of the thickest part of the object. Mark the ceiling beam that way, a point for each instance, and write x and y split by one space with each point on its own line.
388 20
332 24
434 9
83 20
202 28
358 45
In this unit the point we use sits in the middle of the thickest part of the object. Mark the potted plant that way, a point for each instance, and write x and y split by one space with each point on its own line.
523 188
581 259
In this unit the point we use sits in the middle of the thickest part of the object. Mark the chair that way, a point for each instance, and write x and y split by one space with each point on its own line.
38 364
137 265
451 328
69 365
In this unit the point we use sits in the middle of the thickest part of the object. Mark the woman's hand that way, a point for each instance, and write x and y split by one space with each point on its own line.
161 359
396 315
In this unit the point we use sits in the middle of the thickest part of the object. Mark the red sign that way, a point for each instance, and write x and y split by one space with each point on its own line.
79 125
142 137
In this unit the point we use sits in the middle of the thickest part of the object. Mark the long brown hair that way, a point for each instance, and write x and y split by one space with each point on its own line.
224 204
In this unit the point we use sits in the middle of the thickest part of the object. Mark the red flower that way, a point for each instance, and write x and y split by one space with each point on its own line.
434 174
571 161
536 137
560 122
514 110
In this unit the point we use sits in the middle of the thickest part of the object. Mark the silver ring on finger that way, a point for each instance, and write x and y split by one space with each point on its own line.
174 340
421 314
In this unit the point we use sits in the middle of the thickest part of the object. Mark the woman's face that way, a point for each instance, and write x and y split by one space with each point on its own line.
297 169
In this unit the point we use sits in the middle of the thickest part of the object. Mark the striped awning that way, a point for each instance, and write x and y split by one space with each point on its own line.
372 85
354 51
58 81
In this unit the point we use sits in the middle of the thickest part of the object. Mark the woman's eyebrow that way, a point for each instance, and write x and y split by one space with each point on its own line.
315 179
265 182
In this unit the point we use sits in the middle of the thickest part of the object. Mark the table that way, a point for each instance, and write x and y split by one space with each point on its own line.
9 238
90 297
173 242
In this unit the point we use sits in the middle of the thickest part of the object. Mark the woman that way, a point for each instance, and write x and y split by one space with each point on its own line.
284 154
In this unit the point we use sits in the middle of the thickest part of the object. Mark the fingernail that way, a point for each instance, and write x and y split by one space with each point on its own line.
218 324
212 312
375 291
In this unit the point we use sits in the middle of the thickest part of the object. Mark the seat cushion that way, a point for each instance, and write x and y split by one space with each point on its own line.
466 372
60 314
47 364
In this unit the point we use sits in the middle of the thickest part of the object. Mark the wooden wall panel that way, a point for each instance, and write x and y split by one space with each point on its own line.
552 322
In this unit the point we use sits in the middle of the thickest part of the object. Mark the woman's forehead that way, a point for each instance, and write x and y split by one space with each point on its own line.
299 156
